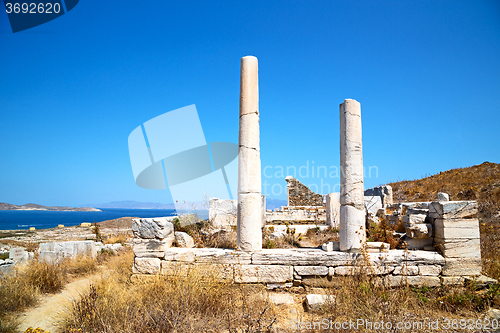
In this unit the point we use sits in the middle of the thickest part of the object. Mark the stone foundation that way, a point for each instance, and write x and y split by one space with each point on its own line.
294 266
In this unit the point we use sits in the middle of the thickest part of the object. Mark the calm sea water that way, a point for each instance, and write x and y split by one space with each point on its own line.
24 219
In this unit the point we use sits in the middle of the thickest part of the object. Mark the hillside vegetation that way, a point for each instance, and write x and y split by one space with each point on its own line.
478 182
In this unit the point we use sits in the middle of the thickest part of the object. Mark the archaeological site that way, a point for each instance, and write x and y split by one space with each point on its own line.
441 238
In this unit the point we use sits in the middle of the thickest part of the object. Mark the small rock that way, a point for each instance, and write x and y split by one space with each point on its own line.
330 246
316 301
184 240
493 314
443 196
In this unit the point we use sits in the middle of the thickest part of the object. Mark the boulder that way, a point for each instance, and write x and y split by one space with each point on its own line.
155 227
315 302
443 196
182 239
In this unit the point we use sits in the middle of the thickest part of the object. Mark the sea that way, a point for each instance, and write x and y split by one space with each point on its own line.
24 219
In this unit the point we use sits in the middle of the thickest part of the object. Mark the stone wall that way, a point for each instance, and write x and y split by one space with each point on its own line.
297 215
301 195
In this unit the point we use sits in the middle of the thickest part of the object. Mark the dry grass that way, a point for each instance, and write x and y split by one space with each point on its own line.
365 298
319 237
193 303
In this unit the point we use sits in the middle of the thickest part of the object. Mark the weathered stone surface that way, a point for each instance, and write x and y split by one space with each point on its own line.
330 246
430 270
452 280
352 212
418 281
183 255
300 195
384 192
263 273
151 248
462 267
182 239
368 270
352 228
55 251
333 210
411 219
453 209
421 230
249 213
146 265
443 196
411 258
459 247
375 247
447 231
311 270
249 236
155 227
418 243
405 270
222 212
373 204
302 257
494 314
315 302
223 256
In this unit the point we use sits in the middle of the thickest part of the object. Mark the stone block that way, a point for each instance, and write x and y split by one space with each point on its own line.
374 247
311 270
302 257
373 204
48 257
184 255
430 270
222 256
151 248
182 239
316 302
462 267
263 273
453 209
459 248
146 266
405 270
410 220
330 246
333 210
222 213
456 233
443 197
452 280
417 281
410 258
155 227
368 270
421 230
418 243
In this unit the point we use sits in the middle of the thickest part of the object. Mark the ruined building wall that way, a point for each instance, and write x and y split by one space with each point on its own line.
301 195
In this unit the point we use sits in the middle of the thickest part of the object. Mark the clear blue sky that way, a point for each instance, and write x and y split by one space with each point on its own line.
427 75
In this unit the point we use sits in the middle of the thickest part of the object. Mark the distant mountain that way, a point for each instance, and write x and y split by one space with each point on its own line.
129 204
275 203
32 206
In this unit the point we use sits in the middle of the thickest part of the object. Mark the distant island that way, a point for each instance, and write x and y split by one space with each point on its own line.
129 204
31 206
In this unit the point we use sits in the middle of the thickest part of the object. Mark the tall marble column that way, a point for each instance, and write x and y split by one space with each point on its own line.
249 232
352 210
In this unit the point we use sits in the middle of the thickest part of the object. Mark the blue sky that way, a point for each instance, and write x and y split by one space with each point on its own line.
427 75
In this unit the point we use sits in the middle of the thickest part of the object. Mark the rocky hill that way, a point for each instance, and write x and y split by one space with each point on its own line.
478 182
32 206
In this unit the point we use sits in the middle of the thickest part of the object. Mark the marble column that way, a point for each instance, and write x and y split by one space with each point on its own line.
352 210
249 232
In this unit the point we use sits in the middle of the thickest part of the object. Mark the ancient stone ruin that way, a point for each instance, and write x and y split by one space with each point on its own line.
442 236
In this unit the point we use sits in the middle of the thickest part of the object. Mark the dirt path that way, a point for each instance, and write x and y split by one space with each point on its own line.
48 311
